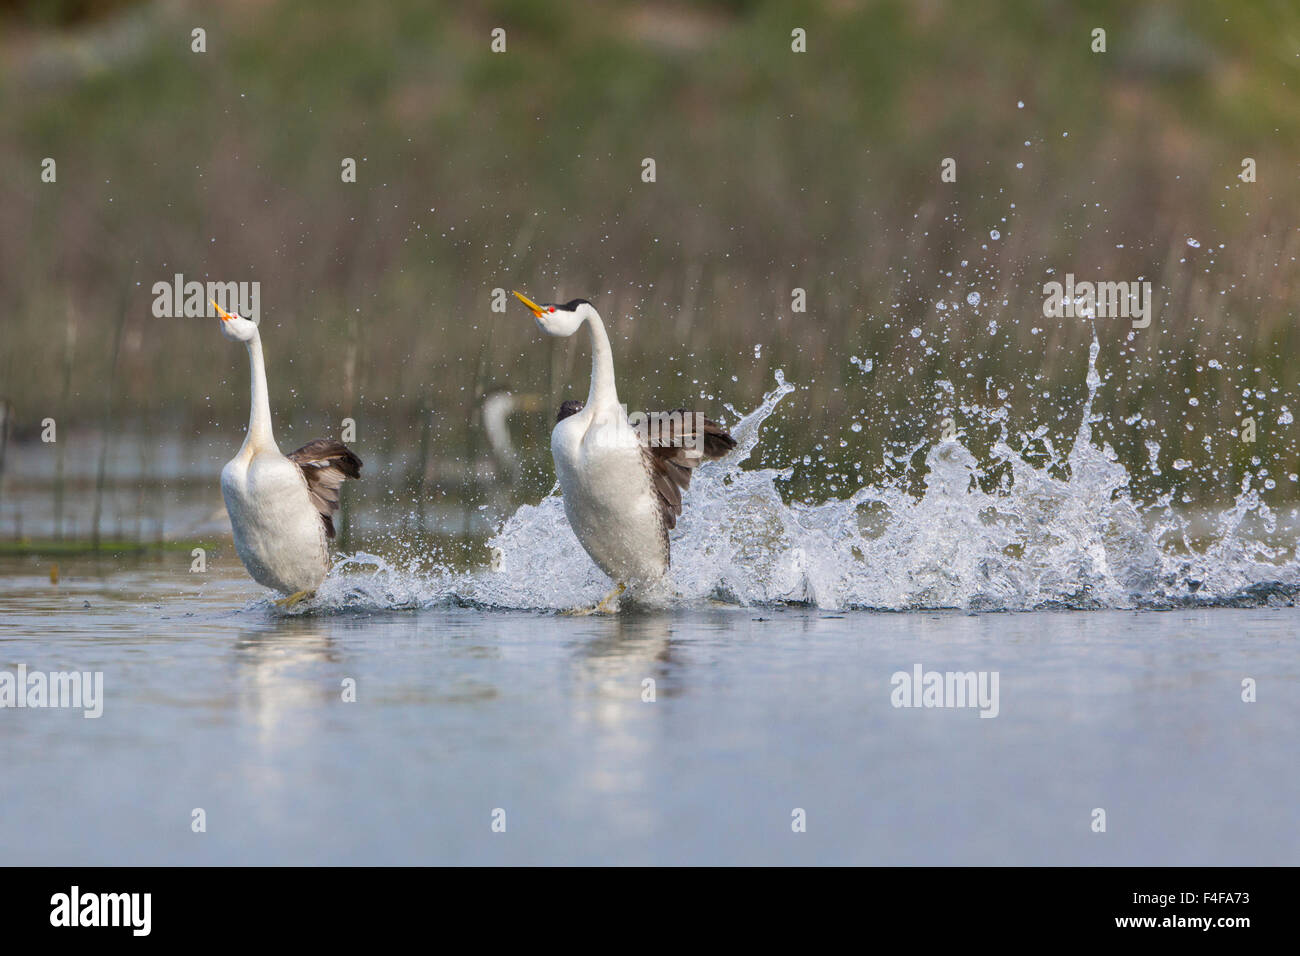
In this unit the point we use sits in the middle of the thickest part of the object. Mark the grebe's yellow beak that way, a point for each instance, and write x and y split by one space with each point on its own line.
225 316
537 310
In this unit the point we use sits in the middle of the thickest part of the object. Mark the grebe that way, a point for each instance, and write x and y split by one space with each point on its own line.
622 484
281 508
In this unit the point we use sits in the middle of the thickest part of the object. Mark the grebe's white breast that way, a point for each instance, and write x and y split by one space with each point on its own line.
278 531
608 495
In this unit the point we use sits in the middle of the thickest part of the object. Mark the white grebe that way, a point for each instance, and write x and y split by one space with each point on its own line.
622 485
281 509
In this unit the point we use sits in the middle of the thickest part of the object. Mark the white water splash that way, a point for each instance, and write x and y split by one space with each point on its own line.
1061 534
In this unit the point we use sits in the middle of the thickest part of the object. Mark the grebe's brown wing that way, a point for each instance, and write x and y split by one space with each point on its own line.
326 464
570 407
676 442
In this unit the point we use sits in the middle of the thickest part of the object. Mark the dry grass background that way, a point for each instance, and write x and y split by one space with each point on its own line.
775 170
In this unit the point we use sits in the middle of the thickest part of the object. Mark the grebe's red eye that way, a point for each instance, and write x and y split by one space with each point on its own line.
551 309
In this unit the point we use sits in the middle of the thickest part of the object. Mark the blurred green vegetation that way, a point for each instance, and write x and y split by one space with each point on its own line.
775 171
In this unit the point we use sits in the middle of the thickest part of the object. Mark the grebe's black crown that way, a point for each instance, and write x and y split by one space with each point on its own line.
572 305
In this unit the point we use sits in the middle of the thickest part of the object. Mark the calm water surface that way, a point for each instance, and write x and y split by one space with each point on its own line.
214 700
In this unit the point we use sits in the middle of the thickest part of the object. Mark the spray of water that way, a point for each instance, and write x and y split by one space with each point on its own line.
1061 533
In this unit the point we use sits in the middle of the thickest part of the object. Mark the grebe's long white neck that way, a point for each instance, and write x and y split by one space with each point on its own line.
566 320
260 436
603 392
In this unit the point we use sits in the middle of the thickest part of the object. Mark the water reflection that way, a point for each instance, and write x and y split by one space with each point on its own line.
280 684
619 683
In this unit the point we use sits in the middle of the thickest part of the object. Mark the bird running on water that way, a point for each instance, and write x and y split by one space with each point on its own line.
621 483
281 508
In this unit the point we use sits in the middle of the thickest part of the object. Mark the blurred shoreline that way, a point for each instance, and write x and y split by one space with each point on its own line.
776 172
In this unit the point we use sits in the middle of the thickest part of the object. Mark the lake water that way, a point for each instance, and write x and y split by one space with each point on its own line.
213 699
1145 660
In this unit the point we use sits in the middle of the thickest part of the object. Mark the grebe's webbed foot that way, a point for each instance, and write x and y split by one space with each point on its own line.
607 605
293 599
